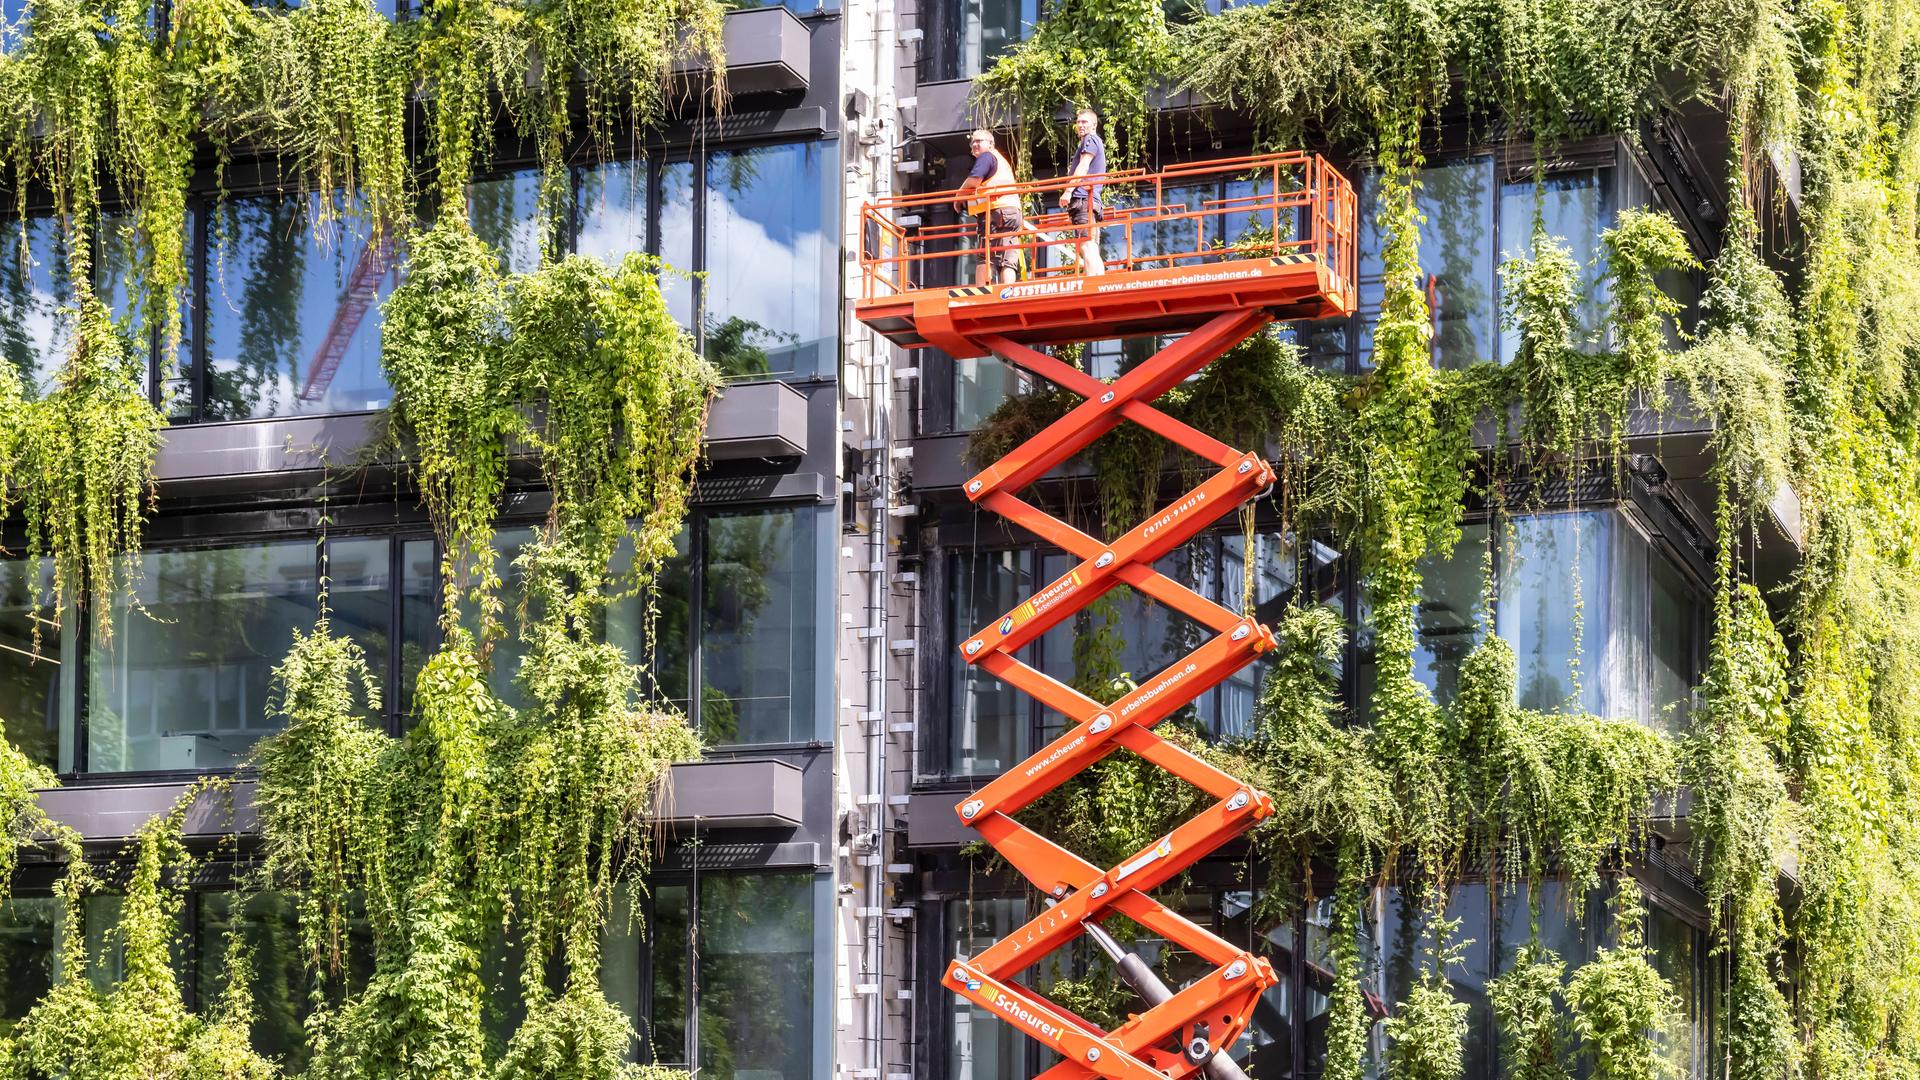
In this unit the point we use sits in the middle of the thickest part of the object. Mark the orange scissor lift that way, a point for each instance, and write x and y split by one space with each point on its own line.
1215 251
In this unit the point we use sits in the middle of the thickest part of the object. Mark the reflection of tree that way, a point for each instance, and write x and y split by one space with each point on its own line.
738 346
756 976
269 235
22 310
743 553
1455 200
737 171
28 679
27 951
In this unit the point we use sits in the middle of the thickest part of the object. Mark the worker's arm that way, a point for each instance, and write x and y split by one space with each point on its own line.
966 189
983 168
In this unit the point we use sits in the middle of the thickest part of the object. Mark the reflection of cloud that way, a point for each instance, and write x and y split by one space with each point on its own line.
754 276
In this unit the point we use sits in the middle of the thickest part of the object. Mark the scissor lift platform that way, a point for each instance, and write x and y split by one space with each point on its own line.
1273 233
1211 252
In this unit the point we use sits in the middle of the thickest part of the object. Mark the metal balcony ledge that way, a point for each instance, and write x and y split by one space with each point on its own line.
748 420
707 795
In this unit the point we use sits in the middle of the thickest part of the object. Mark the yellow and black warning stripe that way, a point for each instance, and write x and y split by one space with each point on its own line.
1295 258
971 290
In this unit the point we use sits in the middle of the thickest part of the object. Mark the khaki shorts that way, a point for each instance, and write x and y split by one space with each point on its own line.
1003 222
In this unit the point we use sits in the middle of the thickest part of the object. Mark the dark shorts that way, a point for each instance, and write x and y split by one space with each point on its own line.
1005 250
1077 211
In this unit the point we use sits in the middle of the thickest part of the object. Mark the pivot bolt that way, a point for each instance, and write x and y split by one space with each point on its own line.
972 808
1099 891
1245 468
973 488
1239 800
1240 632
1100 723
1106 397
1105 560
975 646
1093 1053
1235 970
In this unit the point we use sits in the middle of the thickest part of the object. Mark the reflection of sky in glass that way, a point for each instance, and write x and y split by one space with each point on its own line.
293 324
613 210
676 238
766 239
35 326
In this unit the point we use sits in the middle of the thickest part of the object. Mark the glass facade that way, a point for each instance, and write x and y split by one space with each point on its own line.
36 666
178 671
29 954
283 316
1598 618
292 313
965 37
730 965
752 644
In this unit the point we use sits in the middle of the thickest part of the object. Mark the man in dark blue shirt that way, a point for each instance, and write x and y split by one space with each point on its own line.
1083 202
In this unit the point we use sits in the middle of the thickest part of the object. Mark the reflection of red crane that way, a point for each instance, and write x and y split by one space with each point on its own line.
363 289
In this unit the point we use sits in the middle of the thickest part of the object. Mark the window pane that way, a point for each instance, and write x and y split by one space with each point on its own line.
419 616
510 650
1574 208
293 321
676 239
1275 578
36 327
982 1046
669 969
672 602
613 210
29 954
1456 259
181 680
756 977
980 384
269 926
1560 925
506 214
1672 645
758 628
988 731
622 978
1447 625
965 37
1265 1048
770 286
32 675
1679 955
1553 562
360 590
1405 935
